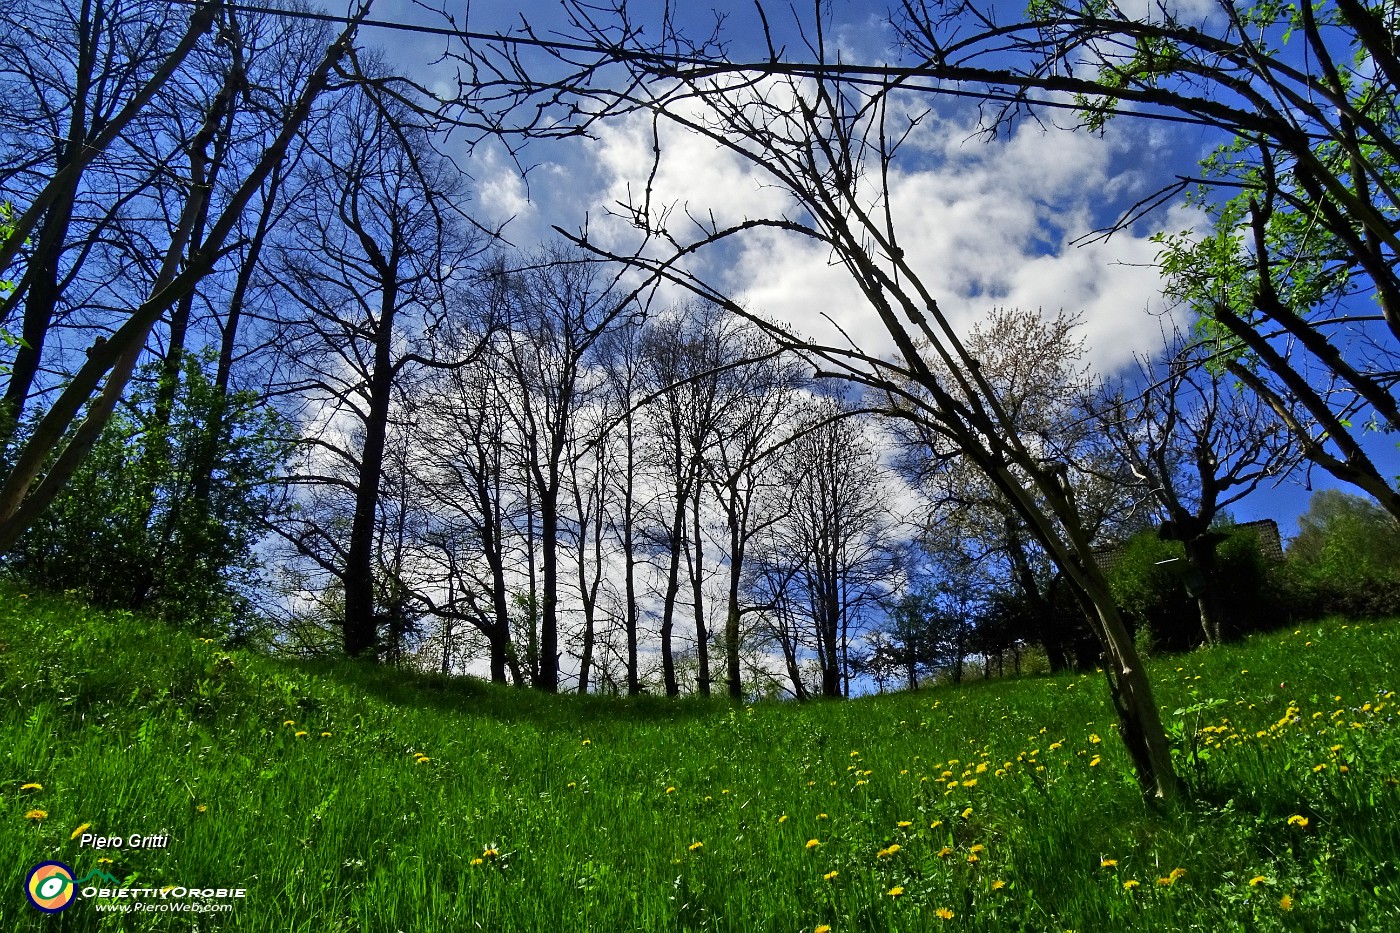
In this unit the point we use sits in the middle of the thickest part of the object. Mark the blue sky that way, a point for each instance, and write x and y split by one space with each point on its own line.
993 221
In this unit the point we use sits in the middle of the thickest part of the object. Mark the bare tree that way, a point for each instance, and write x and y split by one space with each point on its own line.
740 470
621 360
692 383
557 308
78 78
827 546
375 246
465 468
1195 441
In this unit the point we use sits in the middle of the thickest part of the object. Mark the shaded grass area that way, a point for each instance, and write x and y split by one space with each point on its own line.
343 797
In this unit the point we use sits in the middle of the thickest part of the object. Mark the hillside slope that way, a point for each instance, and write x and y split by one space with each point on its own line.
344 798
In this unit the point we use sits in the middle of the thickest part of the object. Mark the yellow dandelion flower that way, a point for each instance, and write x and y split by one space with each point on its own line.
202 808
1094 762
572 784
490 853
80 830
821 816
301 734
859 783
830 875
1176 873
587 742
694 846
32 786
670 790
935 824
977 849
325 735
1129 884
1299 821
37 815
1108 863
943 913
1258 880
813 843
423 759
1165 881
998 885
104 861
945 852
1343 769
823 928
1285 902
970 782
967 814
783 818
289 722
904 824
897 890
477 861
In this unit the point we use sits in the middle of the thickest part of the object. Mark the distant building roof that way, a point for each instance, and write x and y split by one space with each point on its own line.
1270 544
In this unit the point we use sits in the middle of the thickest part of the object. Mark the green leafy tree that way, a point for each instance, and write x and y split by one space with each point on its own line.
158 534
1346 557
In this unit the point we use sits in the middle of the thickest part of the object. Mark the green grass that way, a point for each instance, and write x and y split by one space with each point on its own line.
594 807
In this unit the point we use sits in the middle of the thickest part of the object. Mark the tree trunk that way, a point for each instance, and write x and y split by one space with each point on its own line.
549 615
697 573
360 622
1200 557
731 618
673 583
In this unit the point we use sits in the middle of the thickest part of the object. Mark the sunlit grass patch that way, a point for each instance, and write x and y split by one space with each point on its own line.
346 797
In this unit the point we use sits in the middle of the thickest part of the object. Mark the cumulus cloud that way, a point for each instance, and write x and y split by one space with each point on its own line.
984 223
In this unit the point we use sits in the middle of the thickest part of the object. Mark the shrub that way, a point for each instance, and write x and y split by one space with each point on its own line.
163 515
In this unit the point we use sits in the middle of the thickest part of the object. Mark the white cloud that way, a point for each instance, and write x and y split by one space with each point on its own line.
984 223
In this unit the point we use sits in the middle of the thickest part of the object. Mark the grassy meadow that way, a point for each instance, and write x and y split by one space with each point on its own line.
347 798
